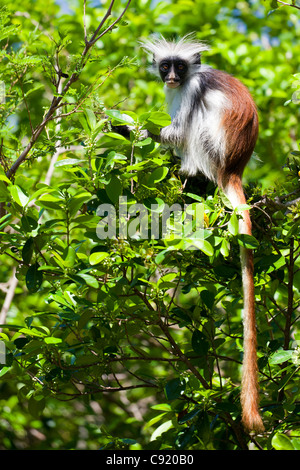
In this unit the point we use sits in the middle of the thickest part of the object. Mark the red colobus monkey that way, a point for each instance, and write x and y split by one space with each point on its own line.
214 130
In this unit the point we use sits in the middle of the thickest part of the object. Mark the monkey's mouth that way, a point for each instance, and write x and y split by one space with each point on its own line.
172 84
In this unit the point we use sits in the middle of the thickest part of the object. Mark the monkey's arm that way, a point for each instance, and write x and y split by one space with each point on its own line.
125 130
122 130
168 135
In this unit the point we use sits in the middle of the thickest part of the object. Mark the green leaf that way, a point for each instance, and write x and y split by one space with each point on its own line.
32 332
199 343
76 202
282 442
89 280
3 371
58 298
281 356
84 124
68 162
154 204
161 256
115 135
34 278
199 244
50 201
114 189
28 223
189 416
27 250
247 241
242 207
98 257
164 427
120 117
69 316
91 118
52 340
162 407
113 157
5 179
296 443
7 31
5 220
36 406
154 420
18 196
167 278
195 196
233 224
208 298
157 175
174 388
273 4
225 246
69 257
160 119
269 263
43 189
143 143
184 437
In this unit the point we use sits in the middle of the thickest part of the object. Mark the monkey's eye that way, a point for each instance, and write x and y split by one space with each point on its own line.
181 66
164 67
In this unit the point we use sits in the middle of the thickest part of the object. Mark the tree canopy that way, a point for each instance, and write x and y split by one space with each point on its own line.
120 284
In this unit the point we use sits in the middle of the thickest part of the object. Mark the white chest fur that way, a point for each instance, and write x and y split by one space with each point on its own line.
197 131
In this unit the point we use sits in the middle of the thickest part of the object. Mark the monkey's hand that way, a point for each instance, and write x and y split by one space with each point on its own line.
125 130
122 130
166 135
171 135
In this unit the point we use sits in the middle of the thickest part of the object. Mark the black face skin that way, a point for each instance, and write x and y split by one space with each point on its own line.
173 71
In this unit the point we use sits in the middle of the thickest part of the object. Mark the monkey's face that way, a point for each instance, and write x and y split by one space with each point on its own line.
173 71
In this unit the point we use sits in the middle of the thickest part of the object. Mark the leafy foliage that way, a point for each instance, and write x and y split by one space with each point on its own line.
132 338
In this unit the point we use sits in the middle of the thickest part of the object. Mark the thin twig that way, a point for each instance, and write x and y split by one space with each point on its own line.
91 88
56 153
288 4
84 21
107 14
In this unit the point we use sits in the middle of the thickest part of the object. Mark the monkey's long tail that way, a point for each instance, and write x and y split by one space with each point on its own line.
251 418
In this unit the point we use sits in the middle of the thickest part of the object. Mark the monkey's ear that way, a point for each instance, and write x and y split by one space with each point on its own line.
154 60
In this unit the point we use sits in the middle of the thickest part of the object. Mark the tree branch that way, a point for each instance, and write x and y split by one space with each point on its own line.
115 22
10 292
277 202
74 77
181 355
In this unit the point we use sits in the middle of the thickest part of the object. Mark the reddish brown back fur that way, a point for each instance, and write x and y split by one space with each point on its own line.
240 123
